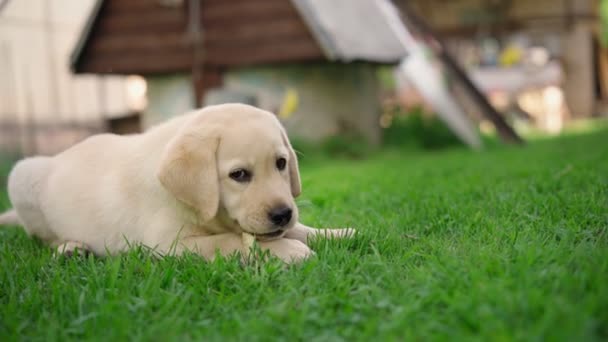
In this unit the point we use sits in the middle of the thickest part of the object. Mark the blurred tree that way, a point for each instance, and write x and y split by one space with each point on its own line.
604 21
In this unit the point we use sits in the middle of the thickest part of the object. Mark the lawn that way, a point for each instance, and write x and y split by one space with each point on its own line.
506 244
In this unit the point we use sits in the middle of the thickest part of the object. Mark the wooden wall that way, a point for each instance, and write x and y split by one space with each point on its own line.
145 37
136 37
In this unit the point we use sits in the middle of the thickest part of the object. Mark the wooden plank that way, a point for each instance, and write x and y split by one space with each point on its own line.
153 20
293 50
602 70
281 29
264 31
133 5
239 2
142 37
157 60
139 42
246 10
136 63
209 9
154 62
132 42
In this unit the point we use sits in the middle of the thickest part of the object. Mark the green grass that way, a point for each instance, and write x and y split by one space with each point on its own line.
506 244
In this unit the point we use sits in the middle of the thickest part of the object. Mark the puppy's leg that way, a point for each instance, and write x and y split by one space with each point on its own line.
302 233
228 244
70 248
208 245
288 250
25 185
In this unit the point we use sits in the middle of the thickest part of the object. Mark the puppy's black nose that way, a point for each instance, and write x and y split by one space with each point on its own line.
280 216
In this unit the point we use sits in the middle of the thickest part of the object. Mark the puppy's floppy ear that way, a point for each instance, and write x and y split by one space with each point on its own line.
294 172
188 169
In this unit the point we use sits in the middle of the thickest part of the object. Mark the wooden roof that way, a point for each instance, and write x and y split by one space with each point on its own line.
150 37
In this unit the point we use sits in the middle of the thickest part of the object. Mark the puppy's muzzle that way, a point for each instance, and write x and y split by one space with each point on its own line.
280 216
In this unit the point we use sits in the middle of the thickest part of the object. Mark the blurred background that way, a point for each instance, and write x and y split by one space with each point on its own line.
329 69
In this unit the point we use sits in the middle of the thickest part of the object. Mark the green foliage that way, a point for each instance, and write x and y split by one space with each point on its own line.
346 146
508 244
411 131
6 162
604 21
414 129
386 77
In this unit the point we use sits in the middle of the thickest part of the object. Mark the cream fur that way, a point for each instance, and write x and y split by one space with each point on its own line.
168 188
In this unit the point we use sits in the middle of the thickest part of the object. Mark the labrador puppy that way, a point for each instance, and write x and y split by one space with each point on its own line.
195 183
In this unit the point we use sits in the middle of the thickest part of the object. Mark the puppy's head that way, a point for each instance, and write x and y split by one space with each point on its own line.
234 163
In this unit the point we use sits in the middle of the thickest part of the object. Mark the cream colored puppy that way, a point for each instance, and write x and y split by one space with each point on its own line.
196 183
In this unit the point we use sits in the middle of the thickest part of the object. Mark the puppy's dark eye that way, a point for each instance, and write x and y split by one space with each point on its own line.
240 175
281 162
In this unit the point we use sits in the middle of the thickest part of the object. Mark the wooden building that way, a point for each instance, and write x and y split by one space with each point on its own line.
150 37
195 52
258 48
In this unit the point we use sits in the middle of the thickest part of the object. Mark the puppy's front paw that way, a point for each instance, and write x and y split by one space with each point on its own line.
288 250
71 248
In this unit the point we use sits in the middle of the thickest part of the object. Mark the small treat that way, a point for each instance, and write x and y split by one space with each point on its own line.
248 240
